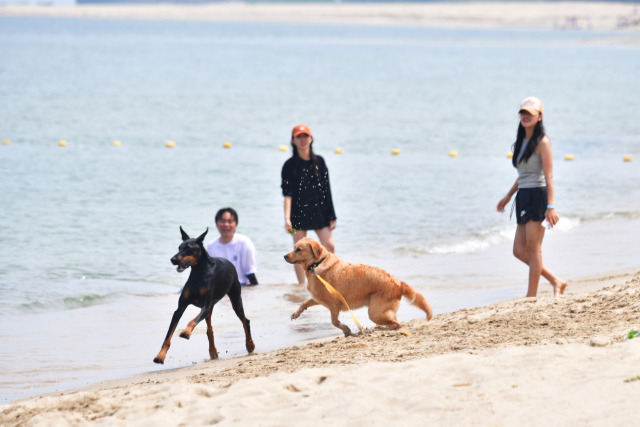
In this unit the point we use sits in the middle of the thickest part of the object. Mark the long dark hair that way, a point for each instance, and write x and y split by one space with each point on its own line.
538 134
297 159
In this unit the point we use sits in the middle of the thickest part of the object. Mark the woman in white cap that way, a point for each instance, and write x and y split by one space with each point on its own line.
534 204
308 204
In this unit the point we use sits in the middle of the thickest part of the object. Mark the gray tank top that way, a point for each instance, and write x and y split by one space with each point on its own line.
530 173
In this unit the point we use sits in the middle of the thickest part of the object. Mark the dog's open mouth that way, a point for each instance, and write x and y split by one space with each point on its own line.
183 266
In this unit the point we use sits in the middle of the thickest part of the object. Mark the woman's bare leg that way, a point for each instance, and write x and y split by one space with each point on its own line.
521 251
534 233
326 238
302 278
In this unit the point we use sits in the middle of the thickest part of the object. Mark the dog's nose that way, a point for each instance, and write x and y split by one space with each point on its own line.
174 260
286 257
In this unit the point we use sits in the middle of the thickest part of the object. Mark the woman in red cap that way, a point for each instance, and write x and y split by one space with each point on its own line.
533 159
307 195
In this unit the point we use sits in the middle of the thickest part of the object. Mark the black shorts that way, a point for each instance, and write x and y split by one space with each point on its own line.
531 204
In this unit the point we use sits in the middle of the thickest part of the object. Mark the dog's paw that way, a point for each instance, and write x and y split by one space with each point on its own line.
158 360
295 315
184 335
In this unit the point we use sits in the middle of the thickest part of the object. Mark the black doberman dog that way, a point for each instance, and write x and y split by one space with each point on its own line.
210 280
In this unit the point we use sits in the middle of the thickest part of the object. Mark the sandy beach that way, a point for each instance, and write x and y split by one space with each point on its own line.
539 361
561 15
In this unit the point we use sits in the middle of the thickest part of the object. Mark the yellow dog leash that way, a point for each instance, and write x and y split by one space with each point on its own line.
341 298
334 291
338 295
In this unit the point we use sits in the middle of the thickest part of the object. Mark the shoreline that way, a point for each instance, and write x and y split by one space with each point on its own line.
453 282
599 16
453 346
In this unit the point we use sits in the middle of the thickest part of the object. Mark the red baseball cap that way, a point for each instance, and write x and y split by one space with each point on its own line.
300 129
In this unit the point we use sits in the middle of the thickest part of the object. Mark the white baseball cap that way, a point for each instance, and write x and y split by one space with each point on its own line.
532 105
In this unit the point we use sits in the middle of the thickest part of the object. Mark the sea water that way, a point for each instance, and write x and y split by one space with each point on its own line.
87 230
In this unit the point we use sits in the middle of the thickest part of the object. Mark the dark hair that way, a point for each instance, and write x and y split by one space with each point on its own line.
538 134
296 157
221 212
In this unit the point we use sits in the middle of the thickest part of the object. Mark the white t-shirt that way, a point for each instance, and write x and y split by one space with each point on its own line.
240 251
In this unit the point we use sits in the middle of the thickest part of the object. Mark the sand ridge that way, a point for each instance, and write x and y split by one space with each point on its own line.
522 349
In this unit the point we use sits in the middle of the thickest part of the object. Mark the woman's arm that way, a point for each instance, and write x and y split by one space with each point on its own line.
333 223
505 200
546 155
287 214
287 191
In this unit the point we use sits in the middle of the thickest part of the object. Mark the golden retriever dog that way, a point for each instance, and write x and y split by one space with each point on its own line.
360 285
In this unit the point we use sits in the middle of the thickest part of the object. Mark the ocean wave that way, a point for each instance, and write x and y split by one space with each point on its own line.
61 302
567 223
65 303
472 243
618 215
477 242
84 301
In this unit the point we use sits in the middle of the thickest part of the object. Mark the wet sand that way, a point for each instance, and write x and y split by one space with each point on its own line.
525 361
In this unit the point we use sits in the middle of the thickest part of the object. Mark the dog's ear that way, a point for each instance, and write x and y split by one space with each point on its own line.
200 238
185 236
315 250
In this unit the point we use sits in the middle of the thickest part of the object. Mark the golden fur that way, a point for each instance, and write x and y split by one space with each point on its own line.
360 285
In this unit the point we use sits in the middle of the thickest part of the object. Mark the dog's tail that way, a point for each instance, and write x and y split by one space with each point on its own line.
417 299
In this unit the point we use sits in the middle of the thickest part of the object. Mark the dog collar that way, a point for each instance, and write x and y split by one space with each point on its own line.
313 266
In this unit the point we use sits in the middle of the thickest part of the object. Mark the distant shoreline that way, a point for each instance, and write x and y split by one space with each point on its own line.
601 16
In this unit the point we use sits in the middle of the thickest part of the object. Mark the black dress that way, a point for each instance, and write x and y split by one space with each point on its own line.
308 187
